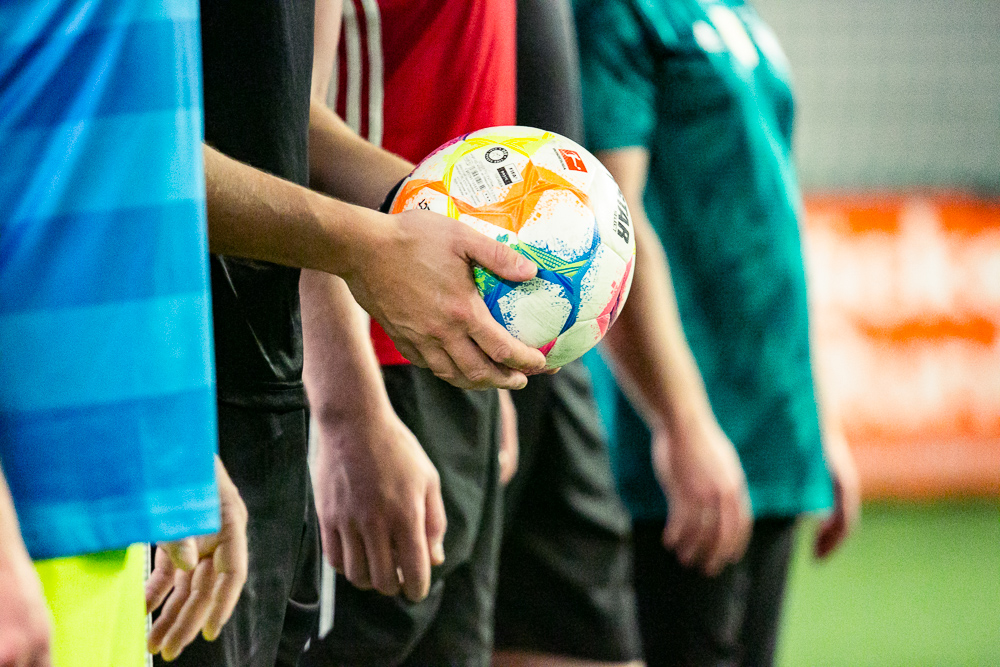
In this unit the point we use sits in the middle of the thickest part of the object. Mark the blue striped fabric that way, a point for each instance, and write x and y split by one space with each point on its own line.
107 383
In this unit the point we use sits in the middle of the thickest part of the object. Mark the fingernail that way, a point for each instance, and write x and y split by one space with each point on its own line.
437 553
210 634
525 264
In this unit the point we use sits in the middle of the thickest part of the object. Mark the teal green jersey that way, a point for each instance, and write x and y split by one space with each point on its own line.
704 87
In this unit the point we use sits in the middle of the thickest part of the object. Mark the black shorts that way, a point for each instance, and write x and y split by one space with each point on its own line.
453 626
732 619
565 571
265 454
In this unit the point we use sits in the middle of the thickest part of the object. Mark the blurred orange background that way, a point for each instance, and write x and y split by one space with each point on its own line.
905 291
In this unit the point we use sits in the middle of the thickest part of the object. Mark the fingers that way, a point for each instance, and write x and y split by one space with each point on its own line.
829 535
832 532
833 529
413 557
168 615
744 530
333 548
422 545
190 617
381 565
355 562
459 361
25 648
500 346
735 524
444 368
42 659
727 539
695 535
508 465
230 565
498 258
436 522
410 352
160 581
479 371
704 533
183 553
225 595
683 533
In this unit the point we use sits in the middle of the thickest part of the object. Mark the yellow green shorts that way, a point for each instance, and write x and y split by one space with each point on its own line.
99 607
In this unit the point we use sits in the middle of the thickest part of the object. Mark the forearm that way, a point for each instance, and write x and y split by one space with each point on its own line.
341 163
647 346
344 165
12 551
341 373
256 215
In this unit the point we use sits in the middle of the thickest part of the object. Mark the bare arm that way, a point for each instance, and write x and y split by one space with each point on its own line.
254 214
377 493
25 623
341 163
840 463
697 466
344 164
411 272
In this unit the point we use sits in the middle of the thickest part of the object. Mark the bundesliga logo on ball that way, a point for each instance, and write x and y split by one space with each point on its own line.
555 203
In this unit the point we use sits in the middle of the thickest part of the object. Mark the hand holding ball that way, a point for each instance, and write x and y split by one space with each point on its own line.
555 203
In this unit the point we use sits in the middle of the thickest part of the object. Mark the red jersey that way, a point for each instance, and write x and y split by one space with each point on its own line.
414 74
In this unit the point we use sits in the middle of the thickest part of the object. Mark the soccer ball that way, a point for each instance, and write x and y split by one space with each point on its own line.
555 203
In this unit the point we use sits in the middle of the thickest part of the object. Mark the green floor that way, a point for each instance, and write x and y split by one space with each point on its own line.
917 584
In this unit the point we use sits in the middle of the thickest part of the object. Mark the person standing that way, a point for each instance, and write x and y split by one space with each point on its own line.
266 138
564 594
107 385
425 617
688 104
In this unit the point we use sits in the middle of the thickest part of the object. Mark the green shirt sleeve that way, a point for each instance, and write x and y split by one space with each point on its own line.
617 72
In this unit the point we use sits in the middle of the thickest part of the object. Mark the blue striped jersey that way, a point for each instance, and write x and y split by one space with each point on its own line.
107 389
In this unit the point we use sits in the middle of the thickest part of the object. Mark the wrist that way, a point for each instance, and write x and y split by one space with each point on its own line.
683 413
14 558
358 234
354 421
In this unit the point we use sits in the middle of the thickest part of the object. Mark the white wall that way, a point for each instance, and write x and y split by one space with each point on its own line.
894 93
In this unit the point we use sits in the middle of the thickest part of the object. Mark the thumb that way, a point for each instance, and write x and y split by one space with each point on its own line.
499 258
183 553
435 525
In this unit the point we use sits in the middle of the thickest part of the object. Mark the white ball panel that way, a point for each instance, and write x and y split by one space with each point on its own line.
560 224
535 312
489 229
600 283
574 343
434 165
568 160
613 219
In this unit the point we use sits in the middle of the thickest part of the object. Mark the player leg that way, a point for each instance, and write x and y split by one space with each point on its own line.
686 618
459 430
732 619
98 607
769 562
462 632
564 594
